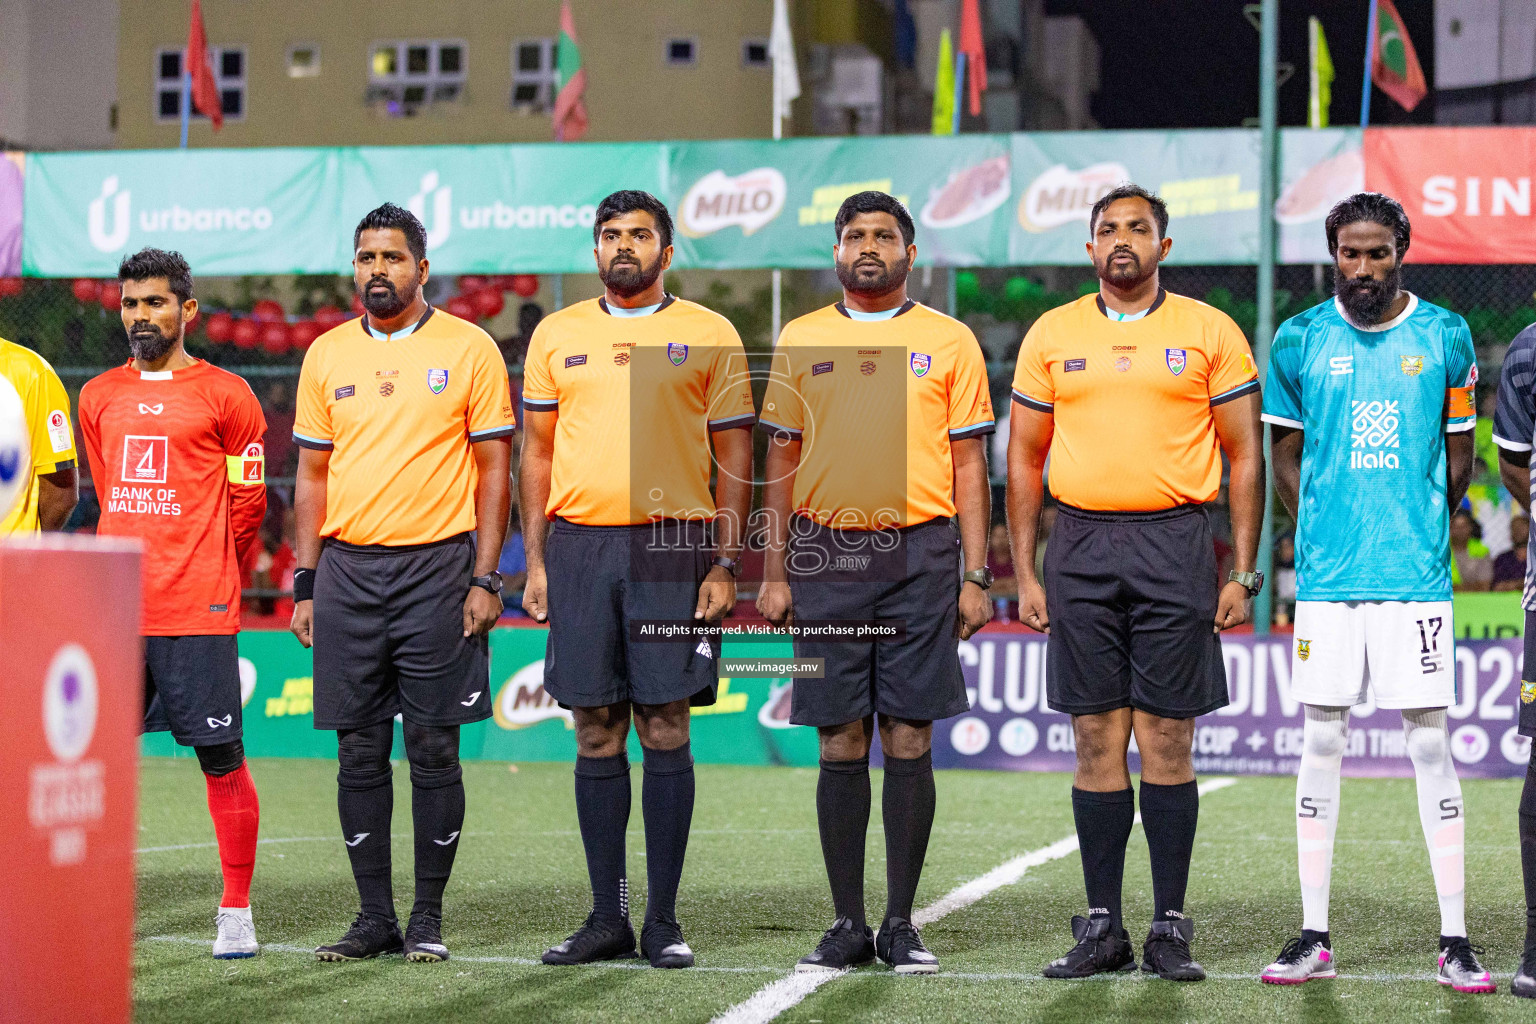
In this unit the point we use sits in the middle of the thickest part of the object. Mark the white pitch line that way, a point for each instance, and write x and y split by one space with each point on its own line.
983 976
776 997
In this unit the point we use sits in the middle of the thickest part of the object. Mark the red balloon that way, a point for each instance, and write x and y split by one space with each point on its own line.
10 286
246 334
329 316
487 302
462 306
525 285
304 333
472 283
268 311
86 289
111 296
358 309
220 328
274 338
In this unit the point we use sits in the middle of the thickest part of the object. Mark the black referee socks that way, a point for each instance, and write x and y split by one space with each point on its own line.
666 801
437 816
907 809
1103 827
842 817
602 809
1168 817
1528 850
366 803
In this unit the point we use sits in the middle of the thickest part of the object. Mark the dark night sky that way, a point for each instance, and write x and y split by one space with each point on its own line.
1195 63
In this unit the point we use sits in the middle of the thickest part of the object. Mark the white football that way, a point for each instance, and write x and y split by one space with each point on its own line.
15 449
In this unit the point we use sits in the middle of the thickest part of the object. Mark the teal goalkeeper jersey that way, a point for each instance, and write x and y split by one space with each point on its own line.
1374 405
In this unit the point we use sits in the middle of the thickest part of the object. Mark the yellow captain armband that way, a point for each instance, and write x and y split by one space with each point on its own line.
249 467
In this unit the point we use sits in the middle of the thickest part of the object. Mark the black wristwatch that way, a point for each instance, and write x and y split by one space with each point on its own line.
1253 582
981 577
491 581
730 565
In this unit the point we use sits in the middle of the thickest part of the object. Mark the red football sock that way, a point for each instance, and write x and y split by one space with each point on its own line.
236 816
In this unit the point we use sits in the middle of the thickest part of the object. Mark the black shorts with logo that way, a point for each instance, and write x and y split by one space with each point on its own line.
192 688
389 636
605 579
1132 601
909 577
1528 679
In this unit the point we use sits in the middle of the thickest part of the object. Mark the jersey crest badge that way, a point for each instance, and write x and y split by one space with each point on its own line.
1176 358
921 361
1527 691
1303 649
1413 365
677 353
437 380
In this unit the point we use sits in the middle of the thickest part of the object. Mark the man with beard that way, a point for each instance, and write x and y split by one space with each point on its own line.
1371 400
878 411
175 452
1134 393
625 395
404 425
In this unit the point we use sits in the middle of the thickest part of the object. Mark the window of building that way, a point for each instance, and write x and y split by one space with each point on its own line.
304 60
533 75
406 76
682 51
228 64
754 53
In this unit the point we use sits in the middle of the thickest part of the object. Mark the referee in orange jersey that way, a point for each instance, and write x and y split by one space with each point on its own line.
1134 393
404 423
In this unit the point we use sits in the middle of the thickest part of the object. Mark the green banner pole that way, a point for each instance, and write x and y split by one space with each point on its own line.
1269 149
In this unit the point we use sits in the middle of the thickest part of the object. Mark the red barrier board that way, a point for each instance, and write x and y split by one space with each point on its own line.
1463 188
69 728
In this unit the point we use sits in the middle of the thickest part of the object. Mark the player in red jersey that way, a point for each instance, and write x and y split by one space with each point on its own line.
175 452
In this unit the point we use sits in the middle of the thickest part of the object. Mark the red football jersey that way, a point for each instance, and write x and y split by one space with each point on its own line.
176 458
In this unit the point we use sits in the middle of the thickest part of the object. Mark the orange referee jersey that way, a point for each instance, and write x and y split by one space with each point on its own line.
398 416
1132 400
876 404
637 397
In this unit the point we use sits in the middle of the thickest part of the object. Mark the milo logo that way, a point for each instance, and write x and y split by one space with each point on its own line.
1060 195
748 201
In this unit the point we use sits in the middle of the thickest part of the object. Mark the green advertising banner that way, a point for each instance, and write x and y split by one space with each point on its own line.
978 200
748 724
229 211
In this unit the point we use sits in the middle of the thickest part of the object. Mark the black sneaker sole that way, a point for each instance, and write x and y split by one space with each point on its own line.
560 960
676 961
1064 976
331 956
424 956
1524 991
1149 969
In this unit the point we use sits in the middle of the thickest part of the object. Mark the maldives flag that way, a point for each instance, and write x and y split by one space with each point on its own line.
1394 65
205 91
570 107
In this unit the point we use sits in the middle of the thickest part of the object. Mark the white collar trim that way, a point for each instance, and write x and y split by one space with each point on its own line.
155 375
1413 303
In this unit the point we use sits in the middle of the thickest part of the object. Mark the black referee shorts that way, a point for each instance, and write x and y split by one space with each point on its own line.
192 688
603 579
1132 601
910 577
389 636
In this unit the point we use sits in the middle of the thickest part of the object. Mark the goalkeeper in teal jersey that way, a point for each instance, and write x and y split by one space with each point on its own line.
1370 397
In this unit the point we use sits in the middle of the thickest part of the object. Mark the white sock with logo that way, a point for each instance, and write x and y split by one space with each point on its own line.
1440 812
1317 808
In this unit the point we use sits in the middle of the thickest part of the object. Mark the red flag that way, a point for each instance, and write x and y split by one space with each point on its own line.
1394 66
570 106
975 52
205 91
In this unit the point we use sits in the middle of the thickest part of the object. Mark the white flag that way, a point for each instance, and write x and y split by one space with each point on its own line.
781 47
